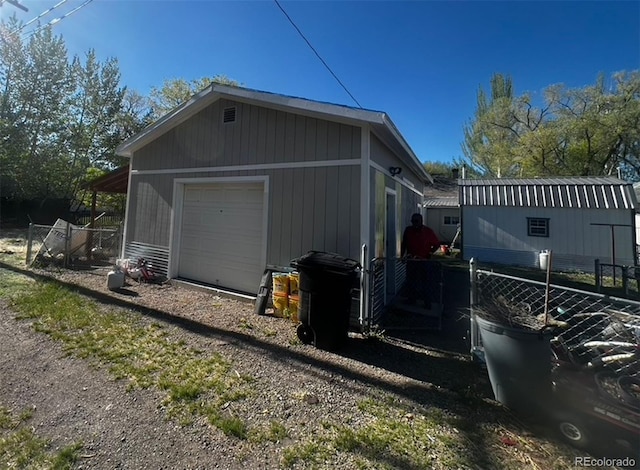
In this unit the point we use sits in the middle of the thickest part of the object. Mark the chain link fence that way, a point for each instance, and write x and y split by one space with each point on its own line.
595 344
405 294
597 327
617 279
67 245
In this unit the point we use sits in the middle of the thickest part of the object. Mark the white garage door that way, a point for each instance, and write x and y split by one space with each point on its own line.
221 240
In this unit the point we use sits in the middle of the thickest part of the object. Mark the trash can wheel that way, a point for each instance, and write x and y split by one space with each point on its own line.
305 333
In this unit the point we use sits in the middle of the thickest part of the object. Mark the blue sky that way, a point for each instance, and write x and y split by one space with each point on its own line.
420 61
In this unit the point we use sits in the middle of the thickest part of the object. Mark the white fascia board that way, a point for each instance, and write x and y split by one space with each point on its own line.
300 104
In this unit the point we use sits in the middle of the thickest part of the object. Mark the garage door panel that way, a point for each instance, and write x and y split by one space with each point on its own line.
222 234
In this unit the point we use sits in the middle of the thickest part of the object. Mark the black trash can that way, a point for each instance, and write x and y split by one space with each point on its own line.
326 282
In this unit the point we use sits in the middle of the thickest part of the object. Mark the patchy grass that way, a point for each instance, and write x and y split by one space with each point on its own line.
13 247
392 435
21 448
381 433
144 355
577 280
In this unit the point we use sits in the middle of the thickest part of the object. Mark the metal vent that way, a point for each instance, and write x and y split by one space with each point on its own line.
229 115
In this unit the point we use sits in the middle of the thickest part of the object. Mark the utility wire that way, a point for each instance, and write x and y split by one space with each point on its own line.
316 53
56 20
39 16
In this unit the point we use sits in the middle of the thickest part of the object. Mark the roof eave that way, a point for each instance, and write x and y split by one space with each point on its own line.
215 91
413 158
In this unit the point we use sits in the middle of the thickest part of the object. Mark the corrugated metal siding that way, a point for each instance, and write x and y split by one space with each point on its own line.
259 135
580 193
571 234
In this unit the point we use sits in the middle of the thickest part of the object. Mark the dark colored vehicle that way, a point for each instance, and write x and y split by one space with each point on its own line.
596 380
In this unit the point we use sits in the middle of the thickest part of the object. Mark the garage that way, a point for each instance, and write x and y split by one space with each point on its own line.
222 238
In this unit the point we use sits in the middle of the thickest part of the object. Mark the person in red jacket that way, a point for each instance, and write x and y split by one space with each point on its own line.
418 242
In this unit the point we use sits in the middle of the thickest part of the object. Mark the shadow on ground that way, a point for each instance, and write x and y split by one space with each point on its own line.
436 365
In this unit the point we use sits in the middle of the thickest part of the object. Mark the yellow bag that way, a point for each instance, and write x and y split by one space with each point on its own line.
281 284
294 305
294 282
280 305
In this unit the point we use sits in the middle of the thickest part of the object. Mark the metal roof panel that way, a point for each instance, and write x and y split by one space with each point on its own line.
578 192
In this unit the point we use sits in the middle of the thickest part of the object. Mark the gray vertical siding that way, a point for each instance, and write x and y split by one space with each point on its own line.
313 209
309 209
150 209
259 135
384 157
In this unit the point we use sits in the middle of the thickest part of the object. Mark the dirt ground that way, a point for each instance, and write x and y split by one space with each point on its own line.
73 400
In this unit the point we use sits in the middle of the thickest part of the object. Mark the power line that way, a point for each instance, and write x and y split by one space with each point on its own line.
317 54
57 20
40 15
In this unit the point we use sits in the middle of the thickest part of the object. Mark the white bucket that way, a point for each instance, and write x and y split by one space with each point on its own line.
543 258
115 280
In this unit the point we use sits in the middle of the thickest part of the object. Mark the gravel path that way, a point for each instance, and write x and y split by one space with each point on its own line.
73 402
297 385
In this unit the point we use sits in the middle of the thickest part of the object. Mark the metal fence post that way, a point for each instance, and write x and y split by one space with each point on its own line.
29 244
67 245
364 295
625 280
473 296
596 263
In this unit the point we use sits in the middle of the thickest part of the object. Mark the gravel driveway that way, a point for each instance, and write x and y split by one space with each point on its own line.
296 384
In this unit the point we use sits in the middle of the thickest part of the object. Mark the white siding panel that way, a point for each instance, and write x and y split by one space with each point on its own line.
573 237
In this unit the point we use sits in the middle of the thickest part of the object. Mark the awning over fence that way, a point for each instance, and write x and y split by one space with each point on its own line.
115 181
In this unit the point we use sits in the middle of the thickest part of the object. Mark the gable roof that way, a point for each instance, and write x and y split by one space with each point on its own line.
579 192
441 202
379 122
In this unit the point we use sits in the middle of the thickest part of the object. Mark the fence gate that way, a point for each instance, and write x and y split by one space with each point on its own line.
399 302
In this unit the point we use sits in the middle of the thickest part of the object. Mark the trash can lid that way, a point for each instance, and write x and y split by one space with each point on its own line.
325 260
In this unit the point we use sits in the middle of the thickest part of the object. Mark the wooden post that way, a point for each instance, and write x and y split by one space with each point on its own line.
29 244
67 245
89 244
